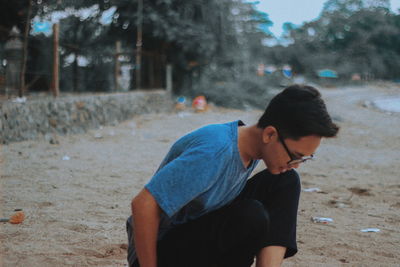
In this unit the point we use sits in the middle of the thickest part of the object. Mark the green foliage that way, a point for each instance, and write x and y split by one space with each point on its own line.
85 39
12 13
350 36
243 92
209 43
201 29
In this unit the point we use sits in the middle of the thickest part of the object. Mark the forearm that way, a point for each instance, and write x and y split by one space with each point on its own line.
145 213
271 256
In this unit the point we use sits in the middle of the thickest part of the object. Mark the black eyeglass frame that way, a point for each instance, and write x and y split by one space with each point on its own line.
293 160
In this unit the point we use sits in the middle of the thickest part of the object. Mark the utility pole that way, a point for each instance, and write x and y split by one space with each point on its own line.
139 44
55 85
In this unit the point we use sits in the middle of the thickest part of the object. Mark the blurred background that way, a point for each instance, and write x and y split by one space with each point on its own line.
228 50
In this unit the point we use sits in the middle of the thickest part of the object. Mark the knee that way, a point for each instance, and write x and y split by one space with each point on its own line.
253 215
291 180
247 224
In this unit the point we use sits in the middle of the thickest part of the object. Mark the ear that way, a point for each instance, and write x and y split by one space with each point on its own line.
268 134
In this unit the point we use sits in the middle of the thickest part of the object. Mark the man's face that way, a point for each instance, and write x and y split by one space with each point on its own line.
276 156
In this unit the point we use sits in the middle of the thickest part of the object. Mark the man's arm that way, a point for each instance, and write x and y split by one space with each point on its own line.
146 218
271 256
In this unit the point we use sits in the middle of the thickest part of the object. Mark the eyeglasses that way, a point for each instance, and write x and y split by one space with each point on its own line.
293 160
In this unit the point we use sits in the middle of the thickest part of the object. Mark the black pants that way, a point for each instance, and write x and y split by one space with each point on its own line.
263 214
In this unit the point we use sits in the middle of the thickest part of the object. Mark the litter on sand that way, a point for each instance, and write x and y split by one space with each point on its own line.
66 158
180 103
323 220
98 135
16 218
199 103
370 230
313 189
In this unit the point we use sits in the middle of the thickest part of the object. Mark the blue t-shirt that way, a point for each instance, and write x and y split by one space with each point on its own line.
203 171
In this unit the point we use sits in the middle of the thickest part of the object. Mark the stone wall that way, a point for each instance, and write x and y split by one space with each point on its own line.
39 117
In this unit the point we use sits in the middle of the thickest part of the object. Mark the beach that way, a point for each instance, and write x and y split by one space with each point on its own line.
76 190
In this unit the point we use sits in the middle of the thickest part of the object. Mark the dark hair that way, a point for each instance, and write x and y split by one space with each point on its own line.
298 111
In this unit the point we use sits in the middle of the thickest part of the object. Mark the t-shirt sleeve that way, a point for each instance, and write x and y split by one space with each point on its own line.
184 178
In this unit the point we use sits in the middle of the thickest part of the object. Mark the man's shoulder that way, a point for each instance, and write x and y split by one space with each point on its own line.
217 133
211 138
220 128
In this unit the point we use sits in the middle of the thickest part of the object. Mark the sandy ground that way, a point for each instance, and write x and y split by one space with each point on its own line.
76 209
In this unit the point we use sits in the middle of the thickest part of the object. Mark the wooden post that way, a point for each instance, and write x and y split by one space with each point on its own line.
117 65
169 78
150 70
25 51
139 45
55 85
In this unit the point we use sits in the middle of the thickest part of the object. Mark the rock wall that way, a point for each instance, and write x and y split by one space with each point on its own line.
75 114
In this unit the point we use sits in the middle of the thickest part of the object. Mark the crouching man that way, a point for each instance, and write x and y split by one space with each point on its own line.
200 208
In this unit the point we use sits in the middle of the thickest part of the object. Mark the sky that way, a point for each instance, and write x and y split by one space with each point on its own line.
296 11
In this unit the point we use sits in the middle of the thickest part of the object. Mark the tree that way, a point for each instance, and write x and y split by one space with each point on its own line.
194 35
204 40
354 36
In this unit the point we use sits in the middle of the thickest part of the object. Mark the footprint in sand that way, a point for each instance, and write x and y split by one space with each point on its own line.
115 251
361 191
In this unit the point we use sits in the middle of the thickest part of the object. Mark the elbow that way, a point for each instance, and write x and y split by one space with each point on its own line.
143 201
134 204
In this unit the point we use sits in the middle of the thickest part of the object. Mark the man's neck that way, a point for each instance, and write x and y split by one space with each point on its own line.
248 143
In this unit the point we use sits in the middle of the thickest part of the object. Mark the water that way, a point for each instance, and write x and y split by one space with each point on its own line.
388 104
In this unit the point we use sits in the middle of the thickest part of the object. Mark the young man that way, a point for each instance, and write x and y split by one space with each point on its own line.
200 209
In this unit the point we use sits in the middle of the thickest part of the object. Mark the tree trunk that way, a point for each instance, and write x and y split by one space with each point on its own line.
75 63
139 45
75 73
25 50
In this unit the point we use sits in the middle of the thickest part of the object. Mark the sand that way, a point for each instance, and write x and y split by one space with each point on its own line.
76 209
